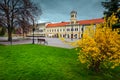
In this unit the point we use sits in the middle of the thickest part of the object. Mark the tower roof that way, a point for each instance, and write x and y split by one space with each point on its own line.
73 12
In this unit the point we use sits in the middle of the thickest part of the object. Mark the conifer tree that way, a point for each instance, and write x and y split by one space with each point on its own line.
111 7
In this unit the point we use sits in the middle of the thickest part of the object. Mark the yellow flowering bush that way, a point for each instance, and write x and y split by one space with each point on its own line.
100 46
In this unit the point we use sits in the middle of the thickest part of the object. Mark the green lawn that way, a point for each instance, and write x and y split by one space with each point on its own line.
38 62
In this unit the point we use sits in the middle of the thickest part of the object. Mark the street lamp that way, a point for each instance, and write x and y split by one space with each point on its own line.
33 35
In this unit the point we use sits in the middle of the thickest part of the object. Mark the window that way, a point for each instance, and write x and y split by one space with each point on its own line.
76 29
68 29
41 30
81 35
72 29
57 30
60 29
82 29
75 35
72 15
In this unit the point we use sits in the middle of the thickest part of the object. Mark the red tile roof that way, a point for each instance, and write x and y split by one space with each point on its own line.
57 24
81 22
92 21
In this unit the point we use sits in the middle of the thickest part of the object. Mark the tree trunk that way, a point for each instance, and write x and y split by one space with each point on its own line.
23 33
9 34
95 66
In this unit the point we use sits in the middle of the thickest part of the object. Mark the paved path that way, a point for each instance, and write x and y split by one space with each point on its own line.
51 42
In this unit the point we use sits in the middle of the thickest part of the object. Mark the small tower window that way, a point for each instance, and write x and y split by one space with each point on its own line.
72 15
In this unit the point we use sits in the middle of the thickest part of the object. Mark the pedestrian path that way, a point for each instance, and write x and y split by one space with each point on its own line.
56 42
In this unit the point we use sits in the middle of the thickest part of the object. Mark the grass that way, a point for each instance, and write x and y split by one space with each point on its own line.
38 62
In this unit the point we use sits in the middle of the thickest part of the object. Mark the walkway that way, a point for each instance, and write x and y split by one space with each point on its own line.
51 41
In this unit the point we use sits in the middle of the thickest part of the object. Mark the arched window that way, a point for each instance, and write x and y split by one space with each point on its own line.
72 15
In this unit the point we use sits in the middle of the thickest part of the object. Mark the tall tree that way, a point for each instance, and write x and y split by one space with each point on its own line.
28 16
111 6
11 12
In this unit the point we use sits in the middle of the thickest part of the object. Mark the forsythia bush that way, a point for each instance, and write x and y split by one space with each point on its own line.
101 46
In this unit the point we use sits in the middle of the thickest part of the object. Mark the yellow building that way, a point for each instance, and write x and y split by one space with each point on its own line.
72 29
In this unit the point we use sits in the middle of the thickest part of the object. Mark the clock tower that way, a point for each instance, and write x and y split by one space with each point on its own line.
73 18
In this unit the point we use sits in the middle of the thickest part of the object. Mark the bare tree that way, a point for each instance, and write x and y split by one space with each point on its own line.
24 25
16 12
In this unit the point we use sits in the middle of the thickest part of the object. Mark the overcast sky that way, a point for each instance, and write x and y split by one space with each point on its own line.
59 10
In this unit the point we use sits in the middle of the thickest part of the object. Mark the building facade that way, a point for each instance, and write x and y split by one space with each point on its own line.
72 29
40 29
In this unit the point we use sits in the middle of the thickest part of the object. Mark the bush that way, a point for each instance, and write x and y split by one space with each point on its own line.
100 46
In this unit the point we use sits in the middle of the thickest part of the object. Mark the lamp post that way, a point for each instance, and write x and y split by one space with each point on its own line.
33 35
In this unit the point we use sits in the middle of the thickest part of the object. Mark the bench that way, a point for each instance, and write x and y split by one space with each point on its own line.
42 40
